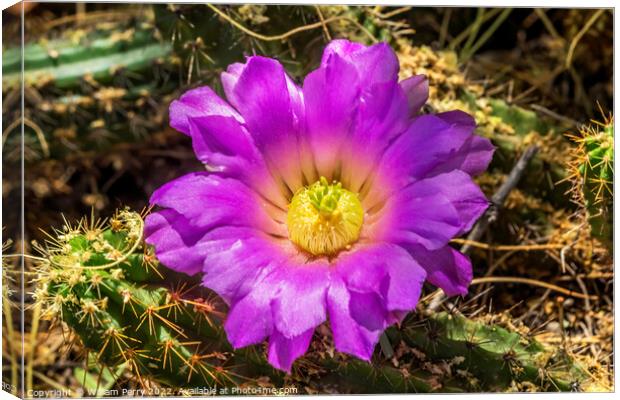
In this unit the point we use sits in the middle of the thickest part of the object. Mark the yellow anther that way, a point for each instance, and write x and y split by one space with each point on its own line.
324 218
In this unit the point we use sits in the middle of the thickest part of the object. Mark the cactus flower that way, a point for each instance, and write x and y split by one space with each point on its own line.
333 201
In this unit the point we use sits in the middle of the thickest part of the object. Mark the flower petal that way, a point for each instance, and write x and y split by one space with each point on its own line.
349 336
213 135
406 281
473 157
236 260
198 102
353 95
372 287
368 310
416 88
249 320
432 144
374 64
225 145
430 211
331 95
382 114
299 304
447 268
476 152
272 107
342 47
415 218
175 240
429 142
255 267
385 269
209 201
283 351
229 81
462 192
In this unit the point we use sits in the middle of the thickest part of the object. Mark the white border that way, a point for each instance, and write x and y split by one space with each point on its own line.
437 3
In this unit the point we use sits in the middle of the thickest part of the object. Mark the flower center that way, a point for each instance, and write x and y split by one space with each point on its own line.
324 218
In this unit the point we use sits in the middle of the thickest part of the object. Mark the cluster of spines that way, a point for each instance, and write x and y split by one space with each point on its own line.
591 173
101 280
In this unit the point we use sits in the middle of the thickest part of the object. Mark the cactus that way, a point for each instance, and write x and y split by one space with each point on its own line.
87 90
133 315
495 357
98 56
592 176
102 283
92 87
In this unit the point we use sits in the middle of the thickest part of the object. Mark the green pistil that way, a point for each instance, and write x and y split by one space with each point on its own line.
324 197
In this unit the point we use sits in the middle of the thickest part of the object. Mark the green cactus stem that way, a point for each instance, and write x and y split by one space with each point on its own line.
101 281
496 357
100 68
88 90
64 64
592 175
598 175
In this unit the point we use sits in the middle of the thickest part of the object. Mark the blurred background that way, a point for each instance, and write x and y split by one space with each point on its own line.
98 79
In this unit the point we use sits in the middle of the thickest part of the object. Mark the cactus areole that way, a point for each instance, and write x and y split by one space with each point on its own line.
331 201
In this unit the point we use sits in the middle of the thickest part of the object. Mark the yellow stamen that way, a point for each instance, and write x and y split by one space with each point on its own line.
324 218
